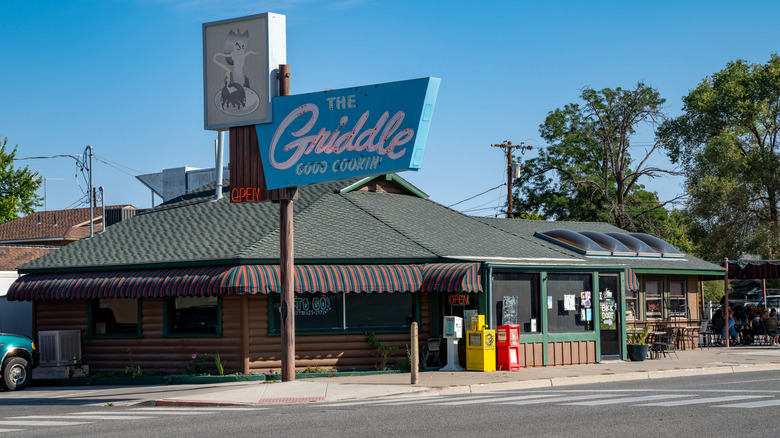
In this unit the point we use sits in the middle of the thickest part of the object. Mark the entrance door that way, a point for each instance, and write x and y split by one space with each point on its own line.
609 318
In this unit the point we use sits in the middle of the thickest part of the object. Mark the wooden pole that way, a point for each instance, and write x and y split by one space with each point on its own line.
245 333
286 263
415 359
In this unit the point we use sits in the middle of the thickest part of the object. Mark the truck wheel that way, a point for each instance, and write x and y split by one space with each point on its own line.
16 374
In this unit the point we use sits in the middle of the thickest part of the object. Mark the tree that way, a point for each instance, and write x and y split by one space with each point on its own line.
18 187
727 141
587 173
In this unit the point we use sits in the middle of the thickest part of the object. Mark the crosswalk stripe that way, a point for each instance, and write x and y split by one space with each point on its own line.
383 402
88 417
613 401
198 408
495 399
41 423
556 399
698 401
755 404
10 430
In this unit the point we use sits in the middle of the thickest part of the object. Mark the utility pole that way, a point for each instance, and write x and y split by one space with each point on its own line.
509 148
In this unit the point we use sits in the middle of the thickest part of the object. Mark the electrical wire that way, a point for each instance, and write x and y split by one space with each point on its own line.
478 194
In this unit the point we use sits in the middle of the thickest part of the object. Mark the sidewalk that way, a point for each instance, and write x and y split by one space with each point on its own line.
718 360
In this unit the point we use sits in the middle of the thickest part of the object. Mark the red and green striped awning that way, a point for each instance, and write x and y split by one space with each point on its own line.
452 277
748 270
632 283
247 279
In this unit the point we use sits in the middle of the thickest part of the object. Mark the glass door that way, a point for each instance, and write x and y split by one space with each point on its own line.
609 315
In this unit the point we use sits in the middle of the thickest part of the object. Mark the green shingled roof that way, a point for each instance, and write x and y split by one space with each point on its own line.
331 225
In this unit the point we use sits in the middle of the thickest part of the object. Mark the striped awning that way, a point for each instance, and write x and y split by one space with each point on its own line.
748 270
247 279
254 279
452 277
632 283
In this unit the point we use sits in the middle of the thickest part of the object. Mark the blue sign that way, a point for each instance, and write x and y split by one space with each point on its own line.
347 133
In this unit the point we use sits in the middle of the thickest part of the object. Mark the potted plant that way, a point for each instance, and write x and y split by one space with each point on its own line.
636 344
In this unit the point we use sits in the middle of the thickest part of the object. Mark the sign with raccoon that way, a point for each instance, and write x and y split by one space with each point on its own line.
241 57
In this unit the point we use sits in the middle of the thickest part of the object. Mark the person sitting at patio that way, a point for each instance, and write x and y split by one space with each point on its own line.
731 329
770 324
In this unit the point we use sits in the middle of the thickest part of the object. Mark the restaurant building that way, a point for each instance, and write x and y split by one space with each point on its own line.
201 276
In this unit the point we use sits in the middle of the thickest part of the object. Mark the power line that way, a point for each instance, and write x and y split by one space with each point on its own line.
478 194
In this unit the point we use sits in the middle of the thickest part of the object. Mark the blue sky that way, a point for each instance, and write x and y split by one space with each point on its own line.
125 76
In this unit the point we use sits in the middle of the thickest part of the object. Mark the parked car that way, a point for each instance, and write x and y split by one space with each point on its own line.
19 357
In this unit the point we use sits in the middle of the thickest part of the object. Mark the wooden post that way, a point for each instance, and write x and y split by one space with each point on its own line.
415 359
286 263
245 333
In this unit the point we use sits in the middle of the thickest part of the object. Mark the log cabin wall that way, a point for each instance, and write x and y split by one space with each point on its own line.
154 352
328 351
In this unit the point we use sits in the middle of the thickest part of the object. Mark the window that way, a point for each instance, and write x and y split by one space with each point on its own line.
570 303
677 298
654 298
516 300
631 305
193 316
348 312
115 317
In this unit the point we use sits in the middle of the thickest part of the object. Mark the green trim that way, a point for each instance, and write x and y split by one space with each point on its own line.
92 305
387 177
436 316
167 322
595 311
674 272
566 337
622 337
543 317
555 268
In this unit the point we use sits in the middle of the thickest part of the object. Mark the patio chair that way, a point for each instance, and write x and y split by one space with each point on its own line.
705 334
667 343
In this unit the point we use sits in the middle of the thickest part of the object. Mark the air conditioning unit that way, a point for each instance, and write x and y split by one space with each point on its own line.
60 347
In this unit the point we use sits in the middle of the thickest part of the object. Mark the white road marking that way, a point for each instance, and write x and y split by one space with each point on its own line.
556 399
614 401
698 401
495 399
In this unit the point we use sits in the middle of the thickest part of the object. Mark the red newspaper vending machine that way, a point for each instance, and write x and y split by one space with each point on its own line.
508 347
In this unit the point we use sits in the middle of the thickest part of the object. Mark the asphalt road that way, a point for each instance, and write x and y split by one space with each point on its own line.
743 404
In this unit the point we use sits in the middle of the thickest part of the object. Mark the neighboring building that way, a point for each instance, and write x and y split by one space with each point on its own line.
196 275
30 237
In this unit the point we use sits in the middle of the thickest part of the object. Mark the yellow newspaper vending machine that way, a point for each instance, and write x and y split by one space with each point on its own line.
481 346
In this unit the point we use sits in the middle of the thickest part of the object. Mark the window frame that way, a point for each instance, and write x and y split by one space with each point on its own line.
659 297
276 298
683 296
582 326
92 309
536 295
169 306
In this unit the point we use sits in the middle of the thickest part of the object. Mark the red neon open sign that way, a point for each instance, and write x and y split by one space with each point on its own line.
459 300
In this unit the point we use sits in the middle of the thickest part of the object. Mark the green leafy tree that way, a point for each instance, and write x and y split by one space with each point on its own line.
727 141
587 173
18 187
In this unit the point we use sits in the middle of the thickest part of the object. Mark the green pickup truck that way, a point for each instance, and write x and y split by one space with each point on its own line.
19 357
